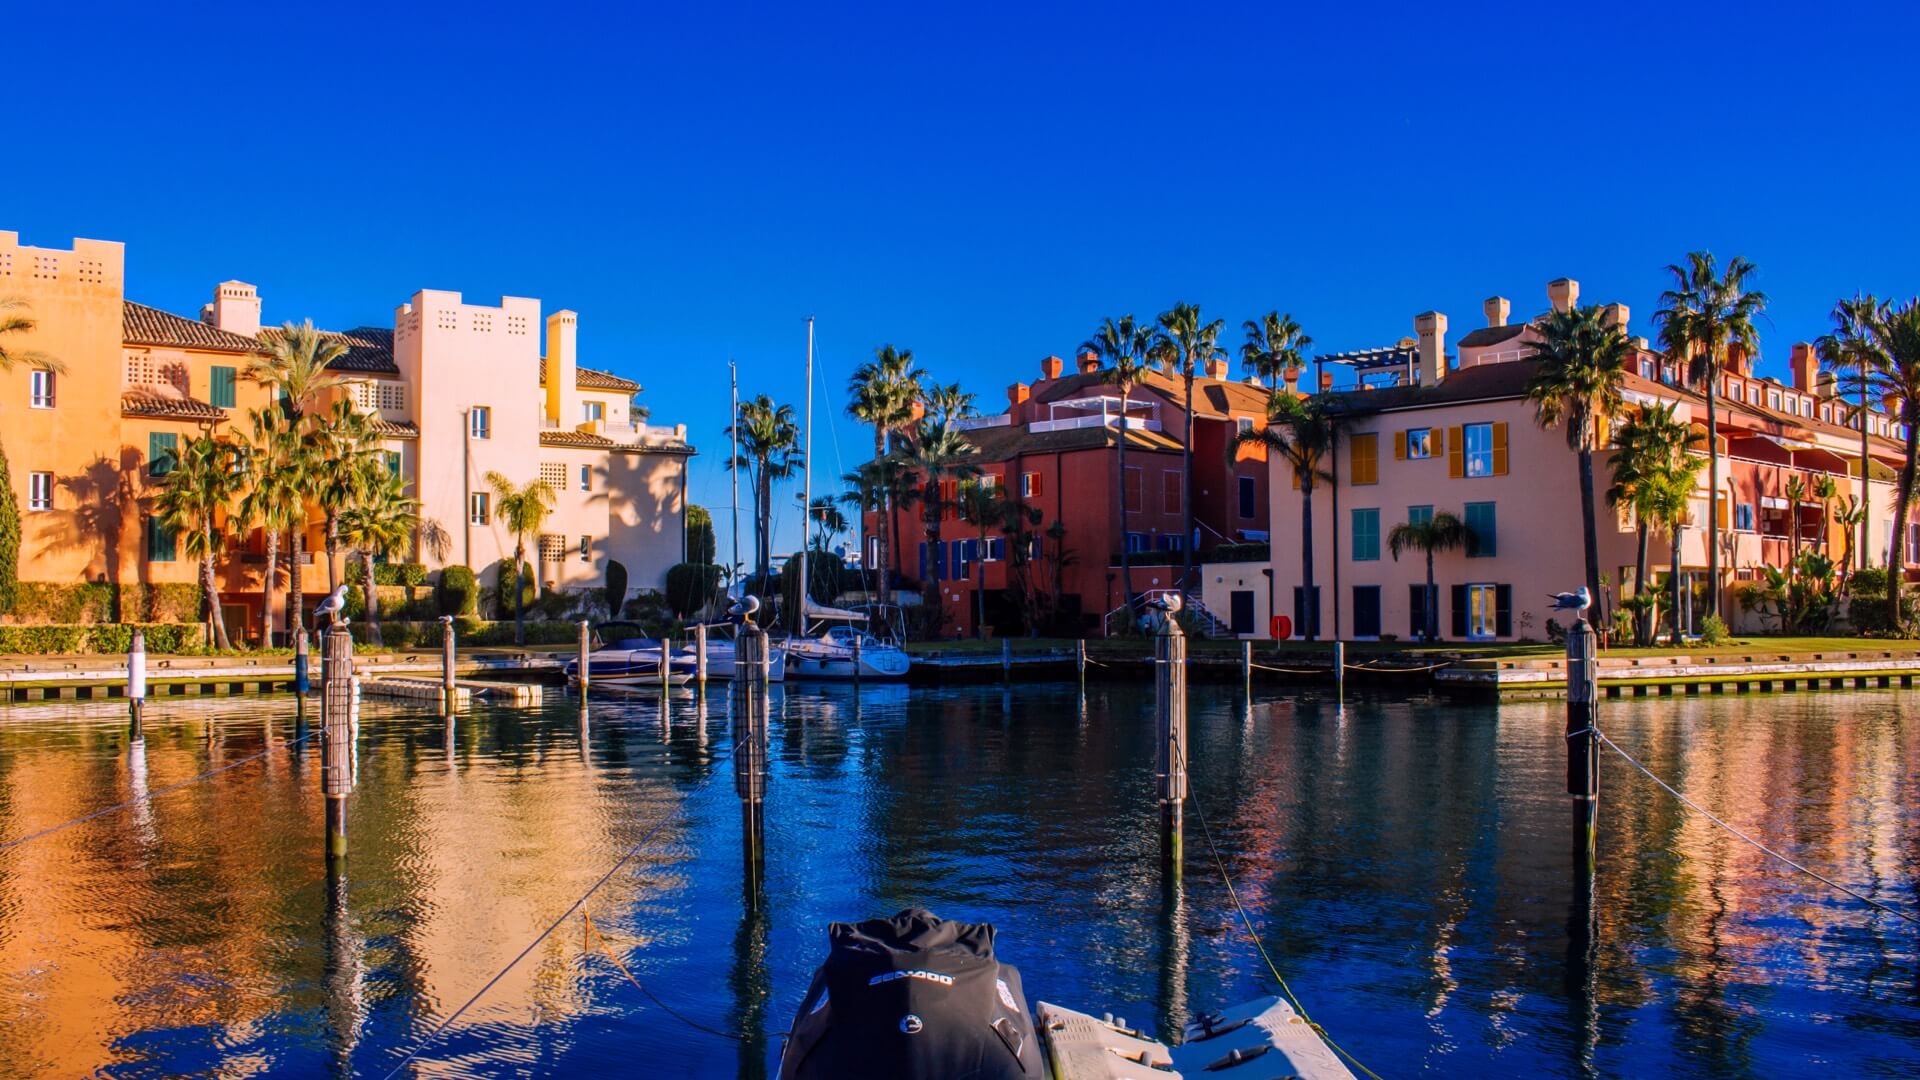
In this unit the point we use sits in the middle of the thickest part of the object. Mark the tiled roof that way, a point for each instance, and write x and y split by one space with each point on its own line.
579 440
369 349
1214 398
586 378
404 429
161 407
143 325
1006 443
1492 335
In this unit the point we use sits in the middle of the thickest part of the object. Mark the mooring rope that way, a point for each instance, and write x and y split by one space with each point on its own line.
589 932
1246 920
1717 820
151 795
1293 671
1397 670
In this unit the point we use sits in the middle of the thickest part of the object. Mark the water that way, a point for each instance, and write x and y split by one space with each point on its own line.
1408 864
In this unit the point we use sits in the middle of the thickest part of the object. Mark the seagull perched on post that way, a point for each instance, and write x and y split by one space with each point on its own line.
1576 602
1162 608
744 608
333 607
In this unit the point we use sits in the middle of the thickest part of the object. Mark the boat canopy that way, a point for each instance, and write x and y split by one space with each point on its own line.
824 613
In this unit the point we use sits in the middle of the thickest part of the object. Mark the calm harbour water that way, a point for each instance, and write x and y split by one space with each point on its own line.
1407 862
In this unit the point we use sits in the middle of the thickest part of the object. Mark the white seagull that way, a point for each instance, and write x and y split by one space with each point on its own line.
1168 602
1576 602
744 608
332 607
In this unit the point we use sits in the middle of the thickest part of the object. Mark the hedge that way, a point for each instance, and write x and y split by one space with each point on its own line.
46 639
56 603
457 593
406 573
424 635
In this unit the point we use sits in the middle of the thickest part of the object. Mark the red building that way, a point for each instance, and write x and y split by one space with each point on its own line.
1056 449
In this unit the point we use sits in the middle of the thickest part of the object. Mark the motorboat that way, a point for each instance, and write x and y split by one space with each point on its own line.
846 652
720 658
625 656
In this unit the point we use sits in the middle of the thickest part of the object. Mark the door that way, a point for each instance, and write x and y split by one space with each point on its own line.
1366 611
1240 611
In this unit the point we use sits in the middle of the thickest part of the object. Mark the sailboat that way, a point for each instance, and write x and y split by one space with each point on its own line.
843 651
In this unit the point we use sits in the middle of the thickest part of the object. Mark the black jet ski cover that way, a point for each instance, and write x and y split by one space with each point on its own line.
914 996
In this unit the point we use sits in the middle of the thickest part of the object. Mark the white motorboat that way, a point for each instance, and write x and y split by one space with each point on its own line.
720 659
625 656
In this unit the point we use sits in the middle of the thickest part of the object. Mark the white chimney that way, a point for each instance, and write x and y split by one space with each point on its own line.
1430 327
235 308
1564 292
1615 315
1497 309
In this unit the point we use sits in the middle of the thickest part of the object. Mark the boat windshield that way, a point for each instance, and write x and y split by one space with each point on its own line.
847 635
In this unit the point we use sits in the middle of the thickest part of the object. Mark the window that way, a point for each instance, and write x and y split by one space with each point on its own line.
586 478
162 446
1483 534
220 387
41 383
1482 611
1243 425
586 549
1743 516
1133 489
1247 491
1366 537
591 411
1423 620
1419 515
1170 491
1169 542
923 561
160 542
393 462
480 422
1363 458
40 491
1138 542
1479 449
996 549
1773 400
1302 627
989 481
1366 611
965 554
477 509
1029 484
1419 444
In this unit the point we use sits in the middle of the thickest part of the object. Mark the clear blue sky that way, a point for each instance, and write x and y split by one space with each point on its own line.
980 183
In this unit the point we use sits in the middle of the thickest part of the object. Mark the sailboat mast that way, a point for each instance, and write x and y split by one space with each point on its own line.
806 483
733 425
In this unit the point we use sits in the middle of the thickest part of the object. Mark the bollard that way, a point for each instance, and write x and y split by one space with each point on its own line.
751 714
1006 659
666 664
1080 659
1583 764
136 684
1340 669
1246 667
448 692
586 649
858 662
700 654
749 657
1170 742
302 685
337 693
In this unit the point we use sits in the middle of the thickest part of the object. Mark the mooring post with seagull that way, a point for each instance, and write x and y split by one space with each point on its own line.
449 693
1170 724
337 693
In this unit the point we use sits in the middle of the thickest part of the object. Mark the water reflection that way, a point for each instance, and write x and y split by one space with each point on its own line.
1410 865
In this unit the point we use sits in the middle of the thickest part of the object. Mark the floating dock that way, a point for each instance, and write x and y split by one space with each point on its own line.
1643 676
1258 1040
98 678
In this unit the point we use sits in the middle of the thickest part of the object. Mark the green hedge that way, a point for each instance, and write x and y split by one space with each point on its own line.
55 603
426 635
100 638
406 573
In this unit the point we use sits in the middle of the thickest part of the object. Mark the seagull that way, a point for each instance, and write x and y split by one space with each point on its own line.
1167 602
332 607
744 608
1576 602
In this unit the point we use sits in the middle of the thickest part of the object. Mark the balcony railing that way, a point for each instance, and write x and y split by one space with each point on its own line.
1138 423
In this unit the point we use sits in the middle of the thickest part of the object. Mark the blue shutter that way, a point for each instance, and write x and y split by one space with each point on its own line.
1366 536
220 387
393 463
161 446
922 575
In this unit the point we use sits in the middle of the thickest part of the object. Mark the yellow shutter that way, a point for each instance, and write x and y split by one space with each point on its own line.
1456 464
1399 446
1363 459
1722 515
1437 436
1500 448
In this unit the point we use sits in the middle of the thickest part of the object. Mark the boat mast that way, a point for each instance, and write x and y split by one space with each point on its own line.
733 425
806 482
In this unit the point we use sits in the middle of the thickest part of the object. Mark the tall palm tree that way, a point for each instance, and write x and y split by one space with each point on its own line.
14 319
881 392
1705 315
947 403
1581 362
1853 352
936 452
1275 349
296 366
866 493
1443 531
1125 347
825 521
382 520
1898 331
1795 492
1646 447
1826 490
275 497
1671 501
523 509
345 461
981 505
1300 431
202 479
1191 345
769 451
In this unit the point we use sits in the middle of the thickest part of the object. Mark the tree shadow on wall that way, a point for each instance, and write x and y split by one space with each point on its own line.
104 497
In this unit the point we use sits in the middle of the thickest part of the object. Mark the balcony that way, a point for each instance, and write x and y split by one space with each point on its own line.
1137 423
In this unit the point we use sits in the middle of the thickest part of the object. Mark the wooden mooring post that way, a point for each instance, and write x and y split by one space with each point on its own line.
586 656
1080 660
859 658
750 717
1246 667
337 710
449 654
1340 670
137 685
700 655
1006 659
1583 764
302 683
1170 736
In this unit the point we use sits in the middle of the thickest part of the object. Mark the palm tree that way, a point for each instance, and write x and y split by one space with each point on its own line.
1581 362
1125 347
1671 501
202 479
982 505
1442 531
947 403
1795 492
1274 349
881 392
1190 346
345 461
1702 318
1850 515
1301 432
826 520
275 497
1897 329
384 519
15 320
1645 449
1826 490
936 452
297 366
769 451
866 493
523 509
1853 352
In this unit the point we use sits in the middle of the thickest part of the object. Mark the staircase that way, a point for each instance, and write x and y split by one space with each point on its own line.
1211 625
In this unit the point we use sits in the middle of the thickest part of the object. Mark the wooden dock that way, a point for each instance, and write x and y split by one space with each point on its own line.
1643 676
1266 1035
99 678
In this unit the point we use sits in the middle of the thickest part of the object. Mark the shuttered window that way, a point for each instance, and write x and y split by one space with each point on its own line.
1030 484
161 448
1483 533
1133 488
1366 536
1363 458
220 387
1417 625
160 542
1366 611
1170 490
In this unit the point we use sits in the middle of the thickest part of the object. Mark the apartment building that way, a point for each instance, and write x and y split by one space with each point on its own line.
455 390
1459 435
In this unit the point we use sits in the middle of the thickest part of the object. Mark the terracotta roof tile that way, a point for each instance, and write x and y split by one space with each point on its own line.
579 440
405 429
586 378
369 348
162 407
143 325
1214 398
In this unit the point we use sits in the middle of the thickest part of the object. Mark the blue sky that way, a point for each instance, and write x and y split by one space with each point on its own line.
980 183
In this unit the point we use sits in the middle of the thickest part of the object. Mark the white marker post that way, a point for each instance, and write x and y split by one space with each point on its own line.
136 683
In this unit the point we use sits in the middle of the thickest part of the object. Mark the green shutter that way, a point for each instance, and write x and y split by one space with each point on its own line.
1483 536
1366 535
161 446
160 542
393 463
220 388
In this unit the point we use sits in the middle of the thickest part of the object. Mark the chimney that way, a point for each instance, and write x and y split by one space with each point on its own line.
1890 404
1216 368
1017 394
1737 360
1497 310
1254 380
1326 382
1564 292
1615 315
236 308
1089 361
1826 384
562 368
1430 327
1050 367
1806 367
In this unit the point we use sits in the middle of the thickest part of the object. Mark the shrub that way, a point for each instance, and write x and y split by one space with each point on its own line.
503 595
1867 603
457 593
46 639
1251 552
700 543
691 586
1713 631
615 594
356 608
406 573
